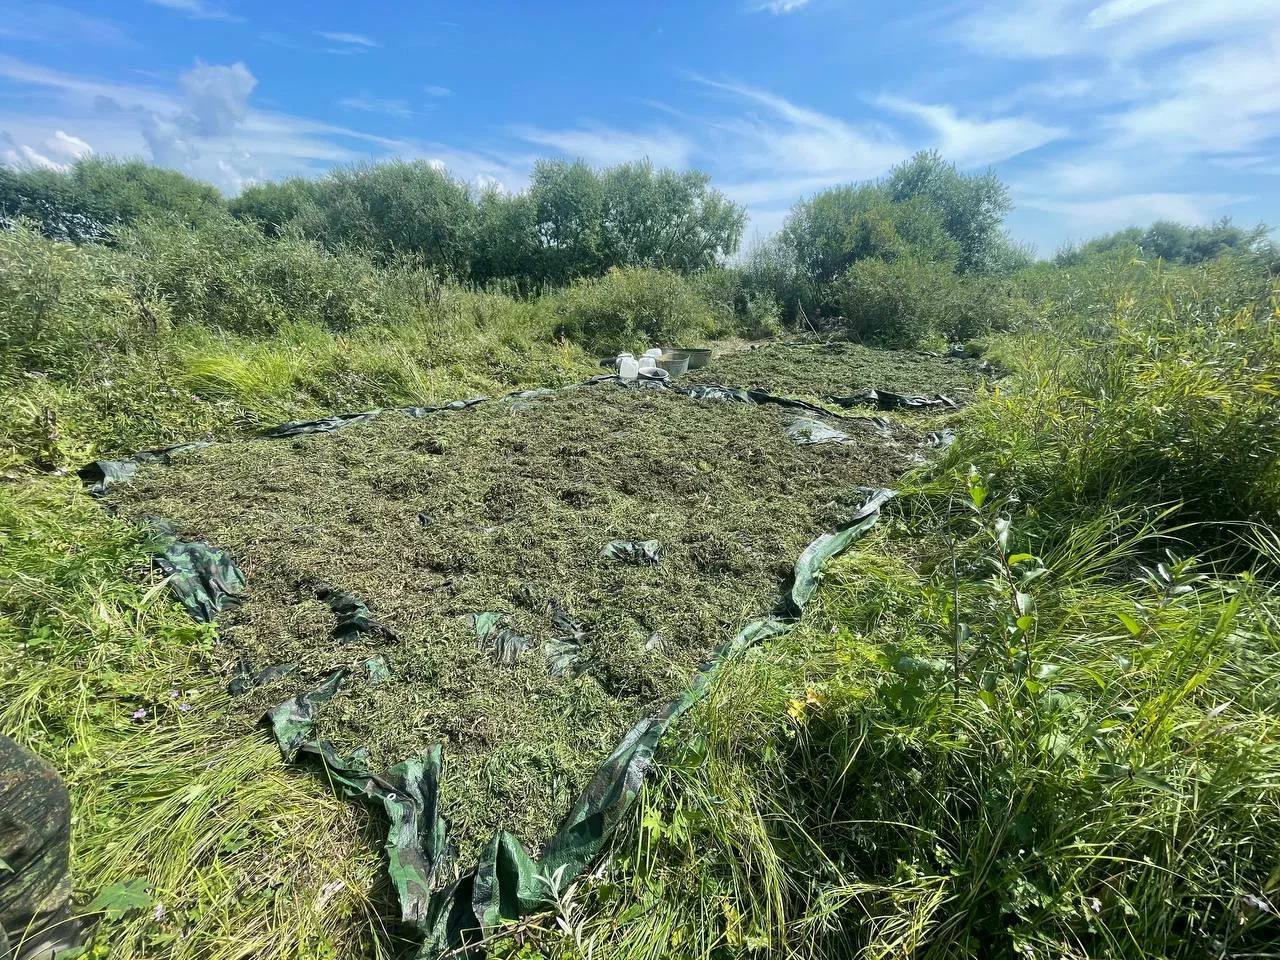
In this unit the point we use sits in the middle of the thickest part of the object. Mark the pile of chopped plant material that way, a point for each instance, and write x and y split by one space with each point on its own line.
520 580
841 368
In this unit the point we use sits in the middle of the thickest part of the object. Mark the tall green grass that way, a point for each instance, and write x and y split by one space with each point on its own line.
1059 756
183 334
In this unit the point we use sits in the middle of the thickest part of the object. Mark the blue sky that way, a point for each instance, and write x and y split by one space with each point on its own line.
1097 113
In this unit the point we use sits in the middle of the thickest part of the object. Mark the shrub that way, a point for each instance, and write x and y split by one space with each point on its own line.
275 204
970 207
634 307
908 303
1171 398
762 316
60 303
393 209
226 274
1177 243
770 271
840 226
891 303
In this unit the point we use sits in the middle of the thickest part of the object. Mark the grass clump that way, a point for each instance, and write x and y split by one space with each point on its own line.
176 336
1171 396
909 303
506 508
635 308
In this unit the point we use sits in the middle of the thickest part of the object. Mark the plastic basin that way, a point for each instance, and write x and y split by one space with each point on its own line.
674 363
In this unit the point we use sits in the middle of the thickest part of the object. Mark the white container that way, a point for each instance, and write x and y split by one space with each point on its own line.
648 364
654 352
628 367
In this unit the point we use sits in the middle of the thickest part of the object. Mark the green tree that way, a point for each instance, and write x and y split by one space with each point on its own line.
506 244
911 303
826 233
274 204
390 210
568 201
631 215
972 207
98 193
1176 242
667 219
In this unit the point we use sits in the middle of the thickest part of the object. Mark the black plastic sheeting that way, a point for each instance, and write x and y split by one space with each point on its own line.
886 400
299 428
354 621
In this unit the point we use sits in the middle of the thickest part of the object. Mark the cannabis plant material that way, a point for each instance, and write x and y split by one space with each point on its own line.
841 369
519 581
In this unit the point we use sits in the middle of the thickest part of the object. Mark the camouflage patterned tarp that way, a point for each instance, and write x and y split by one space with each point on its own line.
35 841
204 578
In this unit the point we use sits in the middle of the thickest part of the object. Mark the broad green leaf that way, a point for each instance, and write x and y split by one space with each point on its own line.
121 898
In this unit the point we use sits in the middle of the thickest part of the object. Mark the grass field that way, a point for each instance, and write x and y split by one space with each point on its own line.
1034 713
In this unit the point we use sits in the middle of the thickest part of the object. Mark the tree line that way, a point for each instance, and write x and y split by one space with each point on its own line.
920 254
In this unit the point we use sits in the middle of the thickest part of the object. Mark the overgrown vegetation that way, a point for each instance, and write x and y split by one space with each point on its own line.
1175 243
1034 715
819 369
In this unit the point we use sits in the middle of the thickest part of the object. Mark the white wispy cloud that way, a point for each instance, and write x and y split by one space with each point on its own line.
367 104
206 126
1160 94
789 138
780 6
434 90
84 90
50 23
197 9
1223 99
605 146
971 142
1114 29
65 145
1087 217
347 39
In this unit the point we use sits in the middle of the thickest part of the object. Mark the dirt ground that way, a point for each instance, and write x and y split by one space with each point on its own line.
508 627
821 369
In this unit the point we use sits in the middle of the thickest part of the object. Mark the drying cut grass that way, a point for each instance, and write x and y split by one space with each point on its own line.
507 509
839 368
